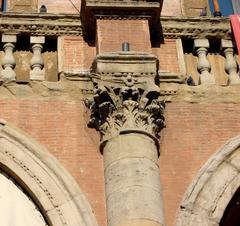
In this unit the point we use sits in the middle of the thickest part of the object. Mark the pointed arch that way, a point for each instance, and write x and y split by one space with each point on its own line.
209 194
48 184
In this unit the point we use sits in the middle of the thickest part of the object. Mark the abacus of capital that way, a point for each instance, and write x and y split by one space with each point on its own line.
127 112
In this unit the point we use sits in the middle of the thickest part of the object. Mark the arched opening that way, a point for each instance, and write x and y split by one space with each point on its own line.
231 216
16 206
206 201
50 190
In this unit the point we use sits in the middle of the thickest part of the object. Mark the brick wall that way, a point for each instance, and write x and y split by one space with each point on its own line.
167 55
77 54
194 132
61 127
171 8
60 6
112 33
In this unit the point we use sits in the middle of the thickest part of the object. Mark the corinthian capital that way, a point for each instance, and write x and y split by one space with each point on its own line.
130 107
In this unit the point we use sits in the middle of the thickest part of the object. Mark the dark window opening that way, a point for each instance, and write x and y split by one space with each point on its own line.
231 216
50 44
3 5
187 45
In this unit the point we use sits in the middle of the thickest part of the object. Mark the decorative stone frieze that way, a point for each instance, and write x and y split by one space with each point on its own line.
172 28
40 24
196 27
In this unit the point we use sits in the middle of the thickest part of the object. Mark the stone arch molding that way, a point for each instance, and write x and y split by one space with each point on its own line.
49 185
209 194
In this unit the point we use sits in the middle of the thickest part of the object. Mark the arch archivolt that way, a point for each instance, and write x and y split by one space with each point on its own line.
48 184
209 194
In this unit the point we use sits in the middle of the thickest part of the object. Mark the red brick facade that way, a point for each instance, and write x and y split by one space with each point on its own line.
194 131
186 143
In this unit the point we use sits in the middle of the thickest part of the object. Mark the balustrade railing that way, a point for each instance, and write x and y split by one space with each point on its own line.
25 58
209 65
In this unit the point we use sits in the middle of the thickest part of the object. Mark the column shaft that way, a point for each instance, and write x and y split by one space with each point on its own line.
132 180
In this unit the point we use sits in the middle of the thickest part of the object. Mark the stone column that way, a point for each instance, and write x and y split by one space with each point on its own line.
231 65
37 63
8 61
129 117
201 47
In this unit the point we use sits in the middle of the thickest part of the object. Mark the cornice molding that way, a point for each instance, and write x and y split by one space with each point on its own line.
196 27
40 24
69 24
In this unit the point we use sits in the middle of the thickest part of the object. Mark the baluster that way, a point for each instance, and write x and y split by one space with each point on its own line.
8 61
201 47
230 65
37 63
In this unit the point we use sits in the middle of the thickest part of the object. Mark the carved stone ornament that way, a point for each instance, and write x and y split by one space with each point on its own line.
128 108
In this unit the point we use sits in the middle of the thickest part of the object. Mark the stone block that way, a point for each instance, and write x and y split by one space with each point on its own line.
37 39
226 44
9 38
201 43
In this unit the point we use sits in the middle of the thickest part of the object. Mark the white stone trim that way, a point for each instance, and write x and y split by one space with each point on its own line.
50 186
209 194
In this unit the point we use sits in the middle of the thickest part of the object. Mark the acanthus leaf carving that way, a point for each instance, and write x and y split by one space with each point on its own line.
129 107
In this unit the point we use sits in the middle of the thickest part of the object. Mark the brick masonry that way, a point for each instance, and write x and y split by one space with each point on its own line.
60 6
77 54
112 33
186 143
61 127
170 7
167 55
194 132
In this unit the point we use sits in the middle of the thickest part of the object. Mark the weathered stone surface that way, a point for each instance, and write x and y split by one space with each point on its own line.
127 100
206 199
43 178
128 113
193 8
23 6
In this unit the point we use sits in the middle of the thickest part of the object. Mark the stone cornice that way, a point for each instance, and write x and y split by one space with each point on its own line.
196 27
40 24
66 24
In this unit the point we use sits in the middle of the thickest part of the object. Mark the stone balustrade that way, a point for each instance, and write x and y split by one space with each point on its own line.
25 58
37 63
213 65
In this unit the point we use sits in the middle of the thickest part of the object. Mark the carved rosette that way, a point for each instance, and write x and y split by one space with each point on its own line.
126 108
